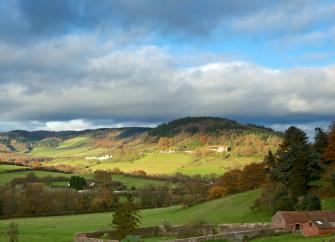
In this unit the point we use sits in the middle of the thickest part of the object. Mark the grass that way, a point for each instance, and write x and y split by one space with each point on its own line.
158 238
293 238
75 147
125 180
5 167
73 152
232 209
7 177
136 182
328 204
158 163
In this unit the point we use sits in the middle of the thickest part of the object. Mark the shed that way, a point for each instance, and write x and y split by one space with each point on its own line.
294 220
317 227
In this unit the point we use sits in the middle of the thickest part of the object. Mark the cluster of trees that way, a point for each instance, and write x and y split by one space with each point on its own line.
293 167
235 181
37 199
207 125
34 198
30 196
188 194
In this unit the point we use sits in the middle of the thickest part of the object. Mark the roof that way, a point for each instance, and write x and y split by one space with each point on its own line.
322 224
291 217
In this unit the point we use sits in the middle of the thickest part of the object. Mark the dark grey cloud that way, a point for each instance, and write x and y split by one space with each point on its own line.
22 20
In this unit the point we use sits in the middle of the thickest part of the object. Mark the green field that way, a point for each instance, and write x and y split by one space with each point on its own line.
293 238
158 163
7 177
129 182
74 151
75 147
4 167
136 182
233 209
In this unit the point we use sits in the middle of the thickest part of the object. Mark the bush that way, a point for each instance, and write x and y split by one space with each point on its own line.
77 182
12 232
282 202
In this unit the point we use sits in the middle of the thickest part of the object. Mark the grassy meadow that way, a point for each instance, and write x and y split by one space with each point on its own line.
232 209
7 177
129 182
74 147
74 151
4 167
294 238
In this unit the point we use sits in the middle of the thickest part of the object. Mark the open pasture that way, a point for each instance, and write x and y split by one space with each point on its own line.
232 209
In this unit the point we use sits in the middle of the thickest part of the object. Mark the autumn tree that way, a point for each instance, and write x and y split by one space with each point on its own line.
329 153
163 143
103 178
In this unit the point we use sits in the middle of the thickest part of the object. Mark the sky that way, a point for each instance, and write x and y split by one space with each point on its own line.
78 64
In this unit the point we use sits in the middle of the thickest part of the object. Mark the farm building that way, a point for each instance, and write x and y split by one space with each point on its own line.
317 227
309 223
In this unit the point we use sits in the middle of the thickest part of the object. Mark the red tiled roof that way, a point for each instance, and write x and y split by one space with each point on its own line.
304 216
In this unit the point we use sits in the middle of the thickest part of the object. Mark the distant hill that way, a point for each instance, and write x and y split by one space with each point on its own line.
205 125
191 145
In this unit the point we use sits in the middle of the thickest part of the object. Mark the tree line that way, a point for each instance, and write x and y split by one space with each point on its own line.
294 167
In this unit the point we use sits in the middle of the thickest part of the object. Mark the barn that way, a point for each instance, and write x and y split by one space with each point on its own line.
306 222
317 227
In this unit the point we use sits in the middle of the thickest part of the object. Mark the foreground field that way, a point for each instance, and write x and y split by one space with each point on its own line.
293 238
233 209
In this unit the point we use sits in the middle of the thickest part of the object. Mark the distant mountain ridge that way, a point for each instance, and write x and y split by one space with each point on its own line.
191 125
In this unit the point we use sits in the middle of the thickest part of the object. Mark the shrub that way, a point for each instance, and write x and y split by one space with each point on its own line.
12 232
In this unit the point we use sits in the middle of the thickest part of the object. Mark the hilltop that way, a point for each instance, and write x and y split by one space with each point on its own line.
191 145
205 125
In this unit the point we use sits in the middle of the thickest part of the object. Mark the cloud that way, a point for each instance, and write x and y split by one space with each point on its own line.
36 19
73 79
76 124
308 128
289 17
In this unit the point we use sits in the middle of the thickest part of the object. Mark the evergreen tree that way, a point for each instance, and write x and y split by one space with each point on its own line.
296 163
77 182
320 143
320 140
126 218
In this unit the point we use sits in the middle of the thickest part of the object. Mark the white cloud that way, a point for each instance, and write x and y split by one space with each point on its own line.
83 82
76 124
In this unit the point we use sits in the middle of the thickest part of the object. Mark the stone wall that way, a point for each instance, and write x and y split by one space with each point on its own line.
145 232
234 236
83 237
237 227
236 232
